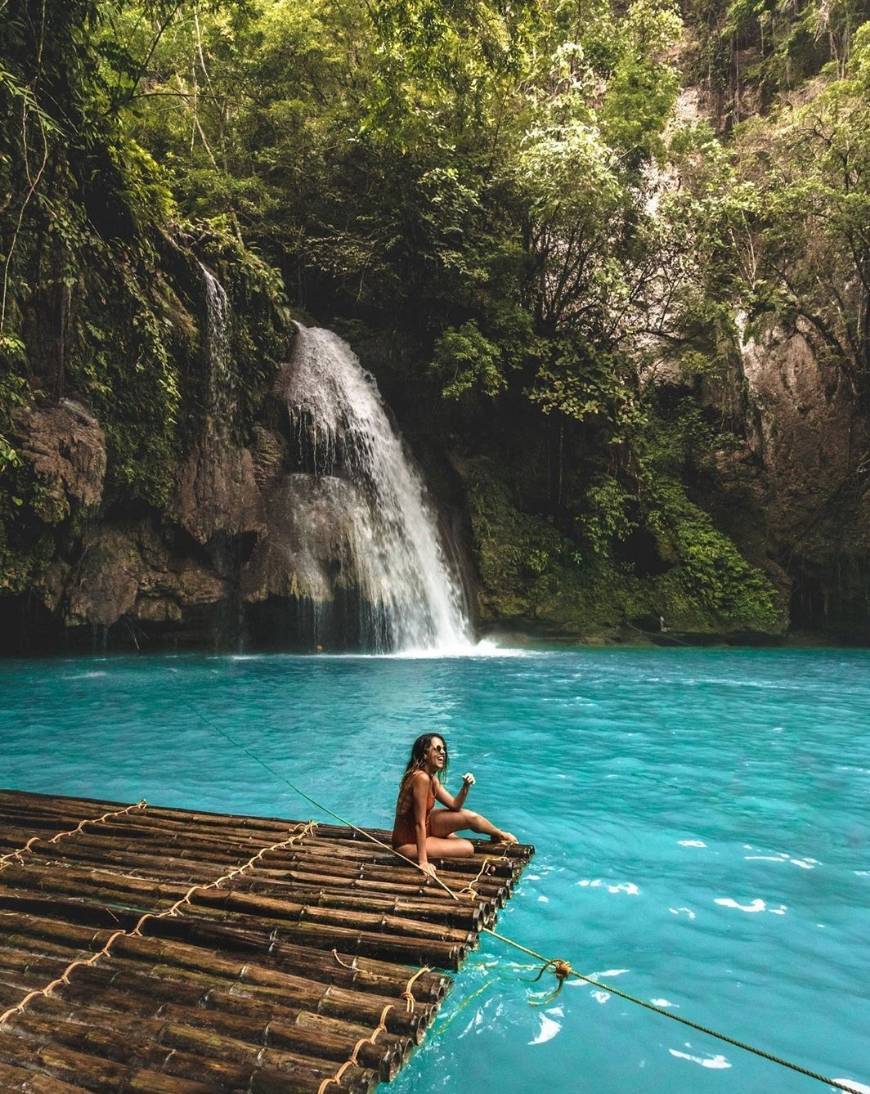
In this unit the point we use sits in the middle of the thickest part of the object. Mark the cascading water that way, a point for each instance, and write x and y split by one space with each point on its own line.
217 310
391 552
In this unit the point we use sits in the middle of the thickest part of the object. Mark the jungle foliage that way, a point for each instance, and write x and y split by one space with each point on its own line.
515 194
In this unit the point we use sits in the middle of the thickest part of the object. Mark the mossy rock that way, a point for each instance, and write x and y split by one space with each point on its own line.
533 577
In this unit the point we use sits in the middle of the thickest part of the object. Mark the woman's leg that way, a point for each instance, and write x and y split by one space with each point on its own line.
439 848
443 822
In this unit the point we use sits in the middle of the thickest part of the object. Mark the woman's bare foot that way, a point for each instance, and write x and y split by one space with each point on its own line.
504 837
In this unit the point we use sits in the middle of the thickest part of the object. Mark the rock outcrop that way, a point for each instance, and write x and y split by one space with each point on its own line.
218 491
307 541
66 447
799 488
130 573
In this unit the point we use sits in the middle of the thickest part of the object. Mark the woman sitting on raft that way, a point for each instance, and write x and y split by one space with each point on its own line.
420 830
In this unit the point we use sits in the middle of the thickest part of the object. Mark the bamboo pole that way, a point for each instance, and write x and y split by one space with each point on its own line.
382 946
25 1079
152 987
304 1033
326 998
10 940
116 891
342 969
366 974
58 1062
495 893
298 858
170 977
297 912
192 1051
213 1065
107 885
103 852
467 914
38 969
92 883
53 931
411 950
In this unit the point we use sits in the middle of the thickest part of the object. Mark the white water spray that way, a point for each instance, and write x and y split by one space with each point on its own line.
409 597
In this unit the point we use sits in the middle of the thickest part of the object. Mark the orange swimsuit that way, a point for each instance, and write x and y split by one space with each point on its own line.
405 824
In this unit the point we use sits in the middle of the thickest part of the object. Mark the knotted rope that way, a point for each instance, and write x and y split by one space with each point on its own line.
299 833
562 969
27 849
381 1027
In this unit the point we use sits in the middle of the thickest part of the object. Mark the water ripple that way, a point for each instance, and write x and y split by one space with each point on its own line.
700 818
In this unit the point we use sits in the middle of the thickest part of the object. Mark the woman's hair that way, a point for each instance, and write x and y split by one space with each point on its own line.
418 756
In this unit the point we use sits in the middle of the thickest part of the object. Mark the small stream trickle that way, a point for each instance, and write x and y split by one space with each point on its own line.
217 345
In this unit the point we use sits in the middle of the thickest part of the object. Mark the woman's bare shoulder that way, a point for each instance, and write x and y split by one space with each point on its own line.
420 778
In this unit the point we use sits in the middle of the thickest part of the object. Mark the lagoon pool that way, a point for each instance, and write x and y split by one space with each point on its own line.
701 817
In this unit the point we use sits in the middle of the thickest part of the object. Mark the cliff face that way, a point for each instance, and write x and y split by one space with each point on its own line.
122 578
133 576
226 559
796 495
252 546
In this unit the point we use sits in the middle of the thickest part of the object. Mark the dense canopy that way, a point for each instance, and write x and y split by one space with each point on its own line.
551 228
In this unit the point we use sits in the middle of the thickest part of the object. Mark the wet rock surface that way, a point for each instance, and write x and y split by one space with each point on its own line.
128 572
306 547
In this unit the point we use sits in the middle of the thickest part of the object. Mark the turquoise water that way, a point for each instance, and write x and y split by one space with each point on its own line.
701 820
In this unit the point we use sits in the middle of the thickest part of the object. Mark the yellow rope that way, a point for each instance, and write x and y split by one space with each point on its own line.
300 833
343 964
381 1027
5 860
469 889
561 968
407 994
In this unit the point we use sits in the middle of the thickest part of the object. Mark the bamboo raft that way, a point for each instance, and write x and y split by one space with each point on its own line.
187 953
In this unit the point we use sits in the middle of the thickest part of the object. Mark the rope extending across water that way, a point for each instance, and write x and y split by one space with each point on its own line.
561 969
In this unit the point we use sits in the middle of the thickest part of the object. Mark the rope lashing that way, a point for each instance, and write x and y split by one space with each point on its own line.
470 891
561 970
554 963
407 994
299 833
380 1028
27 849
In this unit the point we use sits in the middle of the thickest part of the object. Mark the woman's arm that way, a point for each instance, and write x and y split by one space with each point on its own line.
448 799
420 790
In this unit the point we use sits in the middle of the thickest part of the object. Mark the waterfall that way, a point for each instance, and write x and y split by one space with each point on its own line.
217 344
409 599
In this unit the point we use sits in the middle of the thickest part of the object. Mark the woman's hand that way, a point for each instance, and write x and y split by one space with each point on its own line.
468 779
428 868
